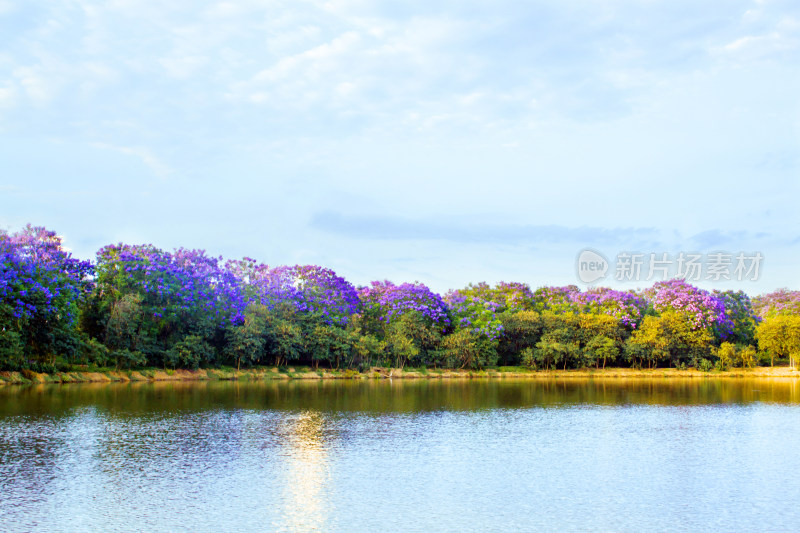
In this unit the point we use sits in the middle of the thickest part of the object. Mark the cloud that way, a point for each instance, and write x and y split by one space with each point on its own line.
6 7
766 32
7 97
354 66
595 116
151 161
396 228
762 46
715 238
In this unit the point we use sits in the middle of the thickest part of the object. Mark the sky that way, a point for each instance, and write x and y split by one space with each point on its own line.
441 142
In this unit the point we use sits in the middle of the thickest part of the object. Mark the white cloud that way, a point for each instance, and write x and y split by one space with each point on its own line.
182 67
538 112
144 155
8 97
757 47
39 89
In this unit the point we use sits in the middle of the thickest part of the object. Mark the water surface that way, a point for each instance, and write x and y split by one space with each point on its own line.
461 455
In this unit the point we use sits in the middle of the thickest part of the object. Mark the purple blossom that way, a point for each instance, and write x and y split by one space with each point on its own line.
703 309
38 278
390 301
474 313
779 302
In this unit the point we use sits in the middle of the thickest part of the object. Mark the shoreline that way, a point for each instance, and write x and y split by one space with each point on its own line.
308 373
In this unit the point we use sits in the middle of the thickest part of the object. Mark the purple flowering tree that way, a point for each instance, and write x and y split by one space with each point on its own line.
157 307
627 307
309 289
509 296
474 314
41 285
172 285
409 318
556 299
776 303
700 308
741 314
388 302
313 289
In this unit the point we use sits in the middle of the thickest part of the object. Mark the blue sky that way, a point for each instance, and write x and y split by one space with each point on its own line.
444 142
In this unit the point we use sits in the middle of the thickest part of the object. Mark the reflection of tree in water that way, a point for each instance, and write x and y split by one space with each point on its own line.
166 450
28 460
306 470
42 459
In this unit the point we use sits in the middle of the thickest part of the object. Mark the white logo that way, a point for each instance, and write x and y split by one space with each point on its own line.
591 266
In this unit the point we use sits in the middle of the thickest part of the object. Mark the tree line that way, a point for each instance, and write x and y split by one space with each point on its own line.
139 306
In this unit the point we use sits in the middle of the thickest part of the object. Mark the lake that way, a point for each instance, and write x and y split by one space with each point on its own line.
421 455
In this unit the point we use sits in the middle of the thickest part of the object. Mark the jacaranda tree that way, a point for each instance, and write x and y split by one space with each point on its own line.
41 287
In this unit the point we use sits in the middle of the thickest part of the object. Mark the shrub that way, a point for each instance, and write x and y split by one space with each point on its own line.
465 349
704 365
528 358
11 350
189 353
126 358
726 355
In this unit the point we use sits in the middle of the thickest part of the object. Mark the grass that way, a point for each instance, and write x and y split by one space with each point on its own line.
226 373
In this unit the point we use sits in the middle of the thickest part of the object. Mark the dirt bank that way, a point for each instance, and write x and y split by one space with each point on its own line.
288 373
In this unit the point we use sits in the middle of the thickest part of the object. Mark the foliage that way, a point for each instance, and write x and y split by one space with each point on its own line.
730 355
668 338
739 311
701 309
388 302
474 314
521 331
602 348
41 288
306 288
245 341
508 296
779 335
190 352
126 358
556 299
626 307
467 349
705 365
560 341
528 357
726 355
780 302
186 309
11 350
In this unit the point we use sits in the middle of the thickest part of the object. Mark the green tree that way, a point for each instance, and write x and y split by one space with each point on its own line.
190 352
521 331
245 342
601 348
726 355
466 349
669 337
779 335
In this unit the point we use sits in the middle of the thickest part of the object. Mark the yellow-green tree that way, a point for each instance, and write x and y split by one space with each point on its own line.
780 336
668 337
